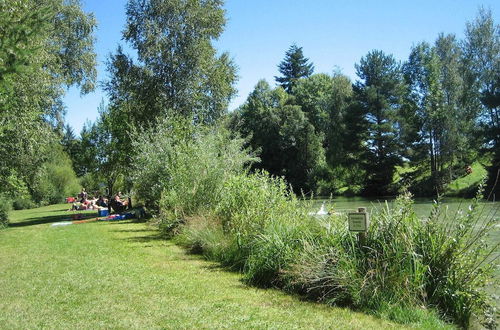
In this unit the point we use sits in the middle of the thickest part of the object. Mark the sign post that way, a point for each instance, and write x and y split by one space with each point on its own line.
359 222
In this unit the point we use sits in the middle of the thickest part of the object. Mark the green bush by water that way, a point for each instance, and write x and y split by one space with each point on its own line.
405 263
182 170
407 270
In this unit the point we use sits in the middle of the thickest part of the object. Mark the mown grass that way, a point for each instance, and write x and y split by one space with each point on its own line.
467 184
122 275
464 186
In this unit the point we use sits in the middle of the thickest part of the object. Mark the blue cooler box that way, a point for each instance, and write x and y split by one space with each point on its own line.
102 212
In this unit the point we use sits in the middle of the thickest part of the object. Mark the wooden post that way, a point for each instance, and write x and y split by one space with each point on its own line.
362 235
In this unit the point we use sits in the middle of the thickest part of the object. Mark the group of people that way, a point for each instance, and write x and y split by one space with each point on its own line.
83 202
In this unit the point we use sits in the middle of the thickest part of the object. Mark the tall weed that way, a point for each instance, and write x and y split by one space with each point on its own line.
404 262
181 170
459 261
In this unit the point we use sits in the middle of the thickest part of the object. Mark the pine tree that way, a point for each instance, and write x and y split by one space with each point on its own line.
379 94
293 67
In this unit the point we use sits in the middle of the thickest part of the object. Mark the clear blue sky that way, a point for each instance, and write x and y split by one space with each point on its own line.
334 34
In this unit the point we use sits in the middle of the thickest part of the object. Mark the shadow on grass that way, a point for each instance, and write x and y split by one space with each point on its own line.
47 219
66 209
145 239
135 230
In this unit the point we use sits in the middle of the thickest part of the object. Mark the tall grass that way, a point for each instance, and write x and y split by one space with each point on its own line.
406 269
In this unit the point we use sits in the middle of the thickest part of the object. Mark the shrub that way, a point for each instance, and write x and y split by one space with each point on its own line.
5 207
181 169
459 263
12 186
254 223
273 251
55 180
405 262
249 202
23 204
204 235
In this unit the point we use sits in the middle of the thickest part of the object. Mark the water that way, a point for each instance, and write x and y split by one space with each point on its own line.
422 207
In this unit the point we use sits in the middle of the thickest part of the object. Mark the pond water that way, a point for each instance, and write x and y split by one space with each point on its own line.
422 207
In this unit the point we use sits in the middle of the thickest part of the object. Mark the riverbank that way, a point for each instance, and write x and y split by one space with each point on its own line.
123 275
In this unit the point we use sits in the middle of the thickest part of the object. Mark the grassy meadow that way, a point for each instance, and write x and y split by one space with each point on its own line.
122 275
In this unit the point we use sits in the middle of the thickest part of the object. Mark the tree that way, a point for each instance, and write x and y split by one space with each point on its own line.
287 143
18 30
41 60
379 94
441 127
314 95
326 100
294 67
176 60
177 71
481 60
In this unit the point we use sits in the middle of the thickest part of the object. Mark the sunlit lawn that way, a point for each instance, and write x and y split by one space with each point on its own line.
121 275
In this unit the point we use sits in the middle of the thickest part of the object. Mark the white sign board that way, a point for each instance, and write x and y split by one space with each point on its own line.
358 222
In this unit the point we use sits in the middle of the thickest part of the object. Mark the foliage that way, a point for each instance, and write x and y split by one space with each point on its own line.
257 226
379 94
287 143
437 111
328 103
23 204
18 29
184 169
55 180
459 262
177 73
439 124
481 49
293 67
49 45
178 67
5 207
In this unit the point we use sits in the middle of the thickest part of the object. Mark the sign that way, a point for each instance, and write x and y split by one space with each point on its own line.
358 222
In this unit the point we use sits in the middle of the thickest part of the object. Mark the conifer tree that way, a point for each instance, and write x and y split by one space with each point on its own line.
293 67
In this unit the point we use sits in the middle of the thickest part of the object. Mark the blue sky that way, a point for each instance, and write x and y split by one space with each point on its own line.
334 35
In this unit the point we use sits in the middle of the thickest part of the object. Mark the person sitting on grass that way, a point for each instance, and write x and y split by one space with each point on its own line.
119 205
102 202
119 201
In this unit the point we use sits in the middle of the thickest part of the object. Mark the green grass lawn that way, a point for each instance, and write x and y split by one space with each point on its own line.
463 185
122 275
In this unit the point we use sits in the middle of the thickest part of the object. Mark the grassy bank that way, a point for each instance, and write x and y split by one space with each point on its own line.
122 275
406 270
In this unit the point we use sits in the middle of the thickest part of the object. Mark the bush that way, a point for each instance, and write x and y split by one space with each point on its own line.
459 262
23 204
182 170
56 179
5 207
404 262
255 224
